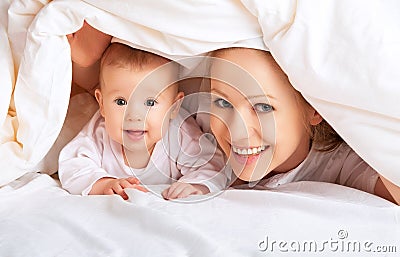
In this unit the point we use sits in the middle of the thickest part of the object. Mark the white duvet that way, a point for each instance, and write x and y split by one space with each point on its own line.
40 219
342 55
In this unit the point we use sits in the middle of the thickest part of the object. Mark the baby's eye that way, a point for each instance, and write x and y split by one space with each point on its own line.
222 103
120 101
150 102
262 107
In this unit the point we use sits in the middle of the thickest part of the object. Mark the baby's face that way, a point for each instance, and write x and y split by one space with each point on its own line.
256 117
140 123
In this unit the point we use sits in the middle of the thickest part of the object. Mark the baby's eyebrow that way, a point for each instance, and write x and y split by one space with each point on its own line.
114 91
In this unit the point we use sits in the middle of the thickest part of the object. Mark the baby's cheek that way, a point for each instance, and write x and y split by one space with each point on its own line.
159 127
114 129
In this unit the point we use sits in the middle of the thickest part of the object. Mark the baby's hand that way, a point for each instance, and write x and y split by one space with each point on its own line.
182 190
110 186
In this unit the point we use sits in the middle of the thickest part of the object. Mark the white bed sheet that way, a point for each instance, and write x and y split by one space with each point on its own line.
38 218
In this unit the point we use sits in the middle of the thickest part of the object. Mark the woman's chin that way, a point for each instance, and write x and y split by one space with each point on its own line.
250 174
252 167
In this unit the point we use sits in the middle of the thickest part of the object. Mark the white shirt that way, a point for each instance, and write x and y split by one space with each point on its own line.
341 166
183 154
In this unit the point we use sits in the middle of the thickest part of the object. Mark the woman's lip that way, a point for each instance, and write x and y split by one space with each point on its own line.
248 150
247 159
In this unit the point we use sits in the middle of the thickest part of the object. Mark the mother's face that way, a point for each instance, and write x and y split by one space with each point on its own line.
255 114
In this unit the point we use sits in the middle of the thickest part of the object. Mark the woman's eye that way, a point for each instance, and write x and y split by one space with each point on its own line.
222 103
263 107
120 101
150 102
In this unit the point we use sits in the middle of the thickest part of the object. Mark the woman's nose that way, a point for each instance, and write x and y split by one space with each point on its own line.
244 124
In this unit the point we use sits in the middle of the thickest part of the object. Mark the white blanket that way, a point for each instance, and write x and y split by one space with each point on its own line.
38 218
342 55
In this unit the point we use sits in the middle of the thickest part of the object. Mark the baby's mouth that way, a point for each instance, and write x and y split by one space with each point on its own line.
135 134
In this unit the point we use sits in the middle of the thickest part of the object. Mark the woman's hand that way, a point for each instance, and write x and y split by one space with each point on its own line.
87 45
386 189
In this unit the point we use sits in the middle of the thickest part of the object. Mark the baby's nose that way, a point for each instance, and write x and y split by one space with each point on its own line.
135 112
133 117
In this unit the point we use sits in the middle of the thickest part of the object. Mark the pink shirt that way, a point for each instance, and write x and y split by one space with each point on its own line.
184 154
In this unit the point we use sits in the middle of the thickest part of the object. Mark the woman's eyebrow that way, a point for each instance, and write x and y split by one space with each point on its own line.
262 96
218 92
248 97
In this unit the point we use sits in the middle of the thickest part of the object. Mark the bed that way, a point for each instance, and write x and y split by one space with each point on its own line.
341 55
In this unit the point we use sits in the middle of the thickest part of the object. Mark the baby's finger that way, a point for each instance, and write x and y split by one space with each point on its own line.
122 194
164 193
186 191
118 189
175 191
174 186
108 191
126 184
140 188
133 180
196 191
168 191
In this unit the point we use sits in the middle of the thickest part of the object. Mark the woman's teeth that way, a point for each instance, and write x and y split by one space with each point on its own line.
248 151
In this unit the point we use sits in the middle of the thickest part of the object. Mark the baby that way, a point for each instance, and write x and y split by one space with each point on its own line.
148 138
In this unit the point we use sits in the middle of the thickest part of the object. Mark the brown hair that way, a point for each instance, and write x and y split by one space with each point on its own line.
123 56
322 135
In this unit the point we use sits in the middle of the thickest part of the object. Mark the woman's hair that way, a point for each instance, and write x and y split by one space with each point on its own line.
322 135
325 138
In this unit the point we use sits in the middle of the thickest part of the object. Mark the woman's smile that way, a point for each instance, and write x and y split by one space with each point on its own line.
247 155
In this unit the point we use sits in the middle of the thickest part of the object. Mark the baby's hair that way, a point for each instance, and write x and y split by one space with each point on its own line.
323 136
123 56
